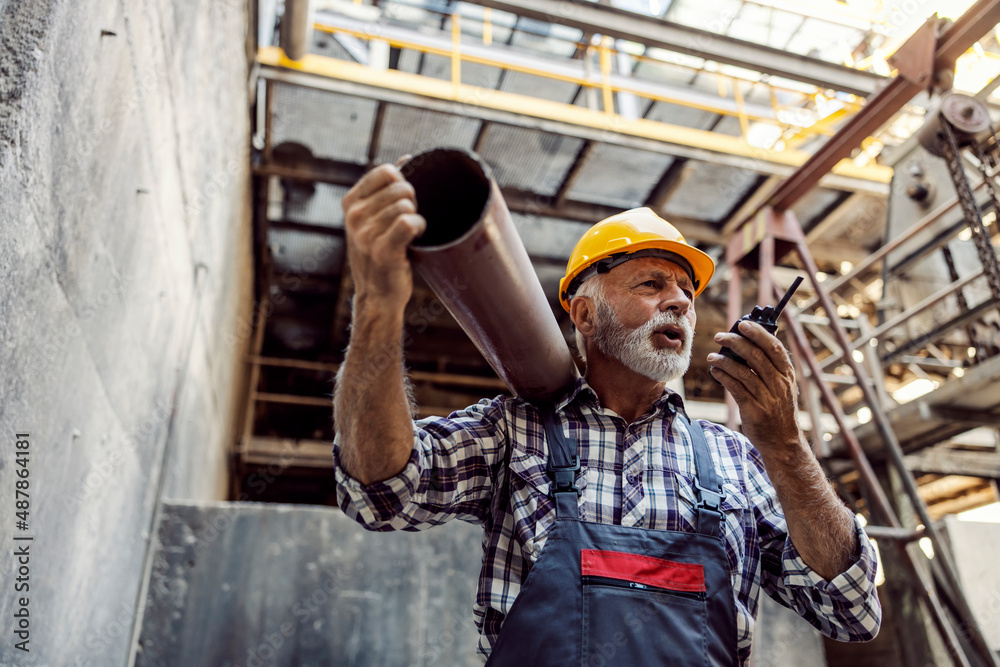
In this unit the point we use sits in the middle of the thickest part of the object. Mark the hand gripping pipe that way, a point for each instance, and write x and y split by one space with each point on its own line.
474 260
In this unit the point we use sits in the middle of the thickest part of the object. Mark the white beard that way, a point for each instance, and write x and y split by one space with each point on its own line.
634 347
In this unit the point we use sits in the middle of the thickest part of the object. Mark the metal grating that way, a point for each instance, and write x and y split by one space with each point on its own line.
710 192
675 69
501 23
324 44
550 238
819 39
323 207
483 76
765 25
527 159
540 87
305 253
439 67
550 39
814 204
665 112
728 125
331 125
711 15
619 176
406 130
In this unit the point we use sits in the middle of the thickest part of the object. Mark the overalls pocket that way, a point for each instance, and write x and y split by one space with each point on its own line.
640 610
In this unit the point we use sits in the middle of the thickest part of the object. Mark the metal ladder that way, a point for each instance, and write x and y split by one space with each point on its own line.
941 592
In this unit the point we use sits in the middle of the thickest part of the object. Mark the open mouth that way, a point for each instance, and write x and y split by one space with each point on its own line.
673 334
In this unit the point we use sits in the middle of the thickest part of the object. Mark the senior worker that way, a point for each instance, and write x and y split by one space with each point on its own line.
616 530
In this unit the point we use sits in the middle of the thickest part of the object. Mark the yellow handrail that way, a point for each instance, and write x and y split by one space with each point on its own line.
604 83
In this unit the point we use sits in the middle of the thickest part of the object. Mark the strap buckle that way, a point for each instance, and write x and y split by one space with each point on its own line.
563 478
709 499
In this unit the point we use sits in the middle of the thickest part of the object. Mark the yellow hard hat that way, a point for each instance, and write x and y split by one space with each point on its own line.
631 235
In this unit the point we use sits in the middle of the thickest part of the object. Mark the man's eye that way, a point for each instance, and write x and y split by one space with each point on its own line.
648 283
688 293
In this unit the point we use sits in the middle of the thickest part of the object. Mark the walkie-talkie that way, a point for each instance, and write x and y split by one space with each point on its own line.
767 317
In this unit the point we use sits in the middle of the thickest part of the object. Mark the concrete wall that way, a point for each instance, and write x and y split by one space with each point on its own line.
247 585
125 261
975 545
782 638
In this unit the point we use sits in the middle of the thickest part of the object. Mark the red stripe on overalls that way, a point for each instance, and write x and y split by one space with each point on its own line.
668 574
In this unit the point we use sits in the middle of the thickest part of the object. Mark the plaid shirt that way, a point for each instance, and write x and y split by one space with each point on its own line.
638 474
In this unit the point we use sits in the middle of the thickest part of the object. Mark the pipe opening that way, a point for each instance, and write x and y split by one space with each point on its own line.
453 190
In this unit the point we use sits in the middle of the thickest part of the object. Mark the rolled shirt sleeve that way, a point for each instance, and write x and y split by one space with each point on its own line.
844 608
449 475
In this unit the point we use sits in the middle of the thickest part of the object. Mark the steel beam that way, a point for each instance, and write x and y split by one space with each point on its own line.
651 31
955 462
564 119
956 39
346 174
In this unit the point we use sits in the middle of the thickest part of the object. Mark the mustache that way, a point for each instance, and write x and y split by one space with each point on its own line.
668 318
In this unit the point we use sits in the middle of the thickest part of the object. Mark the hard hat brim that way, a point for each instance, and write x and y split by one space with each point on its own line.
701 265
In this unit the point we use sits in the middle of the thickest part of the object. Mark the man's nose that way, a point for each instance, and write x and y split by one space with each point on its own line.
674 298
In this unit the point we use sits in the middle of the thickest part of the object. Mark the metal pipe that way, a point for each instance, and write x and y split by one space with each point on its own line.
474 260
887 533
296 28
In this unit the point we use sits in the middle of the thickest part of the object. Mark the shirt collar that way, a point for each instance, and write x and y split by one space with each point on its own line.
583 393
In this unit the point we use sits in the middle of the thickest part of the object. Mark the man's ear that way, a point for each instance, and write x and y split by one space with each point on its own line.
581 311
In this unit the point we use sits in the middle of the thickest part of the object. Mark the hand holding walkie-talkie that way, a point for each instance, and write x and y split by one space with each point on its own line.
766 316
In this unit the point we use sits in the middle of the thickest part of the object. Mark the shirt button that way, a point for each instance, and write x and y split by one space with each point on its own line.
630 478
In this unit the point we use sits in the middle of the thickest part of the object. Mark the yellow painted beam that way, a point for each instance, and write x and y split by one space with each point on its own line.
822 126
566 113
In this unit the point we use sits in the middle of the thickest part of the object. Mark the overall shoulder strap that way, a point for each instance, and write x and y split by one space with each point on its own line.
707 483
563 464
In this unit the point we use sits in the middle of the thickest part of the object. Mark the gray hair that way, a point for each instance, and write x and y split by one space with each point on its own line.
594 289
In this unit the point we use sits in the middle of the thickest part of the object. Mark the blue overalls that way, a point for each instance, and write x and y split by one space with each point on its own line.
602 594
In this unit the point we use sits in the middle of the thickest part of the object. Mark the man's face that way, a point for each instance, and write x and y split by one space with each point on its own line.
647 318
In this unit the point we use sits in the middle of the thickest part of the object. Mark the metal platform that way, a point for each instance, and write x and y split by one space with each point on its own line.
959 405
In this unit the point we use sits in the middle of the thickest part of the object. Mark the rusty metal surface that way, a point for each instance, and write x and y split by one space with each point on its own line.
473 259
973 24
914 60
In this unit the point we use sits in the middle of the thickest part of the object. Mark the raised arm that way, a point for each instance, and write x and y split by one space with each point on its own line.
372 413
819 525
